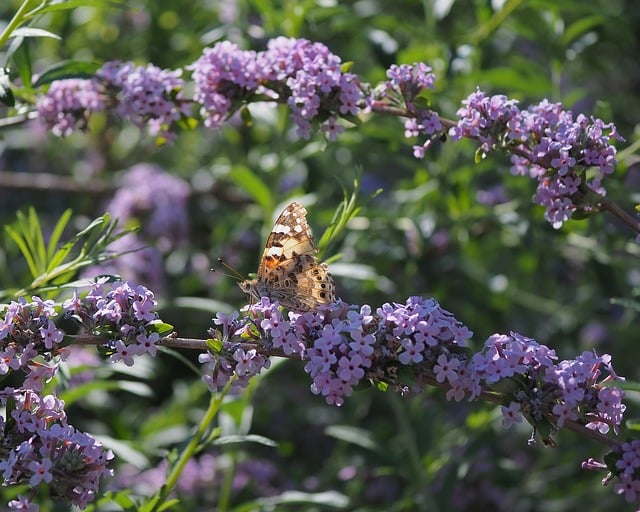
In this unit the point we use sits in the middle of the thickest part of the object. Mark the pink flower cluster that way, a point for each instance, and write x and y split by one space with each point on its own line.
68 104
547 143
147 96
573 389
403 90
27 330
39 447
144 192
305 75
232 360
342 344
622 462
124 312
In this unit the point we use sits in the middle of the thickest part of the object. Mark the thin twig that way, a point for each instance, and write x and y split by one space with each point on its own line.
52 182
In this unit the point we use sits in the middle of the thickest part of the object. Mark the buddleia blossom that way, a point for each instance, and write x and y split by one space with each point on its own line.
144 192
142 197
303 74
548 393
27 330
222 75
232 361
40 447
123 313
342 344
547 144
67 105
403 90
147 96
622 465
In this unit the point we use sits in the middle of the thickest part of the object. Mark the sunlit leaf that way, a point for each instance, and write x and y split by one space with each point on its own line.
67 69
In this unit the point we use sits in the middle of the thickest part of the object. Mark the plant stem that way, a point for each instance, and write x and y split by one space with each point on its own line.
194 444
16 21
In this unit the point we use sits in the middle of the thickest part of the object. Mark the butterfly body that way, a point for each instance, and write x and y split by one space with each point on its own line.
289 270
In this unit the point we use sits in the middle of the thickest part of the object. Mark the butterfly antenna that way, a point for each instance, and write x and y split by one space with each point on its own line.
234 273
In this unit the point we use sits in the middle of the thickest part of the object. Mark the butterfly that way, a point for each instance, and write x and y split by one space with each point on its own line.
289 270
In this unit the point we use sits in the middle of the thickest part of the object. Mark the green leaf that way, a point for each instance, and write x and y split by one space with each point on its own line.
245 115
249 438
345 67
326 499
24 249
68 69
580 27
82 390
345 211
382 386
202 304
168 504
150 504
53 268
55 257
72 4
33 32
214 346
121 498
253 186
162 328
352 435
127 451
180 357
627 385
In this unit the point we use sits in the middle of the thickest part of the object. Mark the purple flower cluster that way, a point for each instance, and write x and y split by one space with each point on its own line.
27 330
627 469
146 96
68 103
39 447
233 361
223 75
123 312
342 350
305 75
547 144
345 344
544 391
402 90
622 462
410 80
342 344
143 195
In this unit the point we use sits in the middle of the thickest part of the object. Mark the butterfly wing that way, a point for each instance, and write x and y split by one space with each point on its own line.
289 270
291 237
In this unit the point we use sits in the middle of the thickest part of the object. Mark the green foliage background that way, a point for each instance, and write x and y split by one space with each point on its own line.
496 267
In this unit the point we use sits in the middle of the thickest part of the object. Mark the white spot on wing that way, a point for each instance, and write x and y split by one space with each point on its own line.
281 228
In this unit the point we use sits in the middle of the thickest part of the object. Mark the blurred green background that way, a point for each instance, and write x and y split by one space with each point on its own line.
467 234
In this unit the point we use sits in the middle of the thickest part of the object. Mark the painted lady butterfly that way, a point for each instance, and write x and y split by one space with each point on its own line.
289 270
